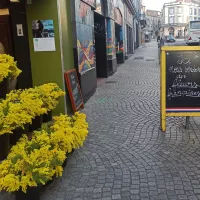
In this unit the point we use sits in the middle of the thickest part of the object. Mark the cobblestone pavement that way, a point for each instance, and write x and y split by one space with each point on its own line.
125 155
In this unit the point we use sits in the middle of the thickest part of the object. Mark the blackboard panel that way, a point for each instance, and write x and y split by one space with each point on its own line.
182 79
74 89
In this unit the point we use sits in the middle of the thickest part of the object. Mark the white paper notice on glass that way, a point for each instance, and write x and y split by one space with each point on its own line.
43 35
44 44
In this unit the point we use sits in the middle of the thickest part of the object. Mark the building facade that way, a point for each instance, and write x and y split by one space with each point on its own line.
43 56
129 28
176 15
91 36
136 22
153 19
143 22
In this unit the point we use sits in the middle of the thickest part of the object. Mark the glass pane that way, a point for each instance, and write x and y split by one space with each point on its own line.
195 25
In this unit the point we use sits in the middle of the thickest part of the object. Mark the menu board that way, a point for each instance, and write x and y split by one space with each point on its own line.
74 90
182 81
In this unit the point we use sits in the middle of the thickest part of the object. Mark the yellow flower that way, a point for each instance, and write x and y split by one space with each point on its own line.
8 67
34 162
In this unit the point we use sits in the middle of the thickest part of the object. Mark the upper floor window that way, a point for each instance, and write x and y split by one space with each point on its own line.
195 11
179 10
171 11
191 13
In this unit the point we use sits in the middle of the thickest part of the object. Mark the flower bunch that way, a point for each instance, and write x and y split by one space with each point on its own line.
8 67
12 116
34 162
80 129
31 163
50 94
21 106
69 133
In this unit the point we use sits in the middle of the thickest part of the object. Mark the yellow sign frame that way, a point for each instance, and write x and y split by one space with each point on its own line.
163 113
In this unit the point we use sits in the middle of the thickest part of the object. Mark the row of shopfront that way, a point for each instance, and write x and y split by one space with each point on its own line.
48 38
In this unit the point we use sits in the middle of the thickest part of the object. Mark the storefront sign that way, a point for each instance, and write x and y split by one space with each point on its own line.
43 35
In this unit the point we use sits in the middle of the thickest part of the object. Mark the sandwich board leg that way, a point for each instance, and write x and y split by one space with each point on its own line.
187 123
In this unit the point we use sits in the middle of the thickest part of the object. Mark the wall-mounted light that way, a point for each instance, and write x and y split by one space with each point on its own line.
15 1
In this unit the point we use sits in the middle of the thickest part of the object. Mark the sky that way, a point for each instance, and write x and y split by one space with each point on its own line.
154 4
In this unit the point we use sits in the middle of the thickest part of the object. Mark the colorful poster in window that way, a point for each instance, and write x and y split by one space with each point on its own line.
111 51
90 2
85 47
43 35
85 36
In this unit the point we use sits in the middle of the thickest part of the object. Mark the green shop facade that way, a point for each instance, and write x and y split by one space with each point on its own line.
50 37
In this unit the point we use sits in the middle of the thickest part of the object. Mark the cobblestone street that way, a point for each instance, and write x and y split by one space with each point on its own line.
126 156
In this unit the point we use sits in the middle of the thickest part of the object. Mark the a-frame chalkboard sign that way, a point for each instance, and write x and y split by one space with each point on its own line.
74 89
180 82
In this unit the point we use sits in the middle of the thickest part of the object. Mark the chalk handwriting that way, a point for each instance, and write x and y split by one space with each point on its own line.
192 69
182 93
175 70
181 76
183 60
179 84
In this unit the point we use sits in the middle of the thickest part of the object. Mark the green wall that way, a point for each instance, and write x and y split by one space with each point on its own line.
66 34
67 44
47 66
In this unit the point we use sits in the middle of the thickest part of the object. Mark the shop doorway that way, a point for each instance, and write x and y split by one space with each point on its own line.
119 43
5 35
119 36
100 45
129 44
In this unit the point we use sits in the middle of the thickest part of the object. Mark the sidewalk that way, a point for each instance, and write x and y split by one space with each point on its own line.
125 155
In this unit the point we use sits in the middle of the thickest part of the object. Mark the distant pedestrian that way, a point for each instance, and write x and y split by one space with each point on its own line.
158 38
162 42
